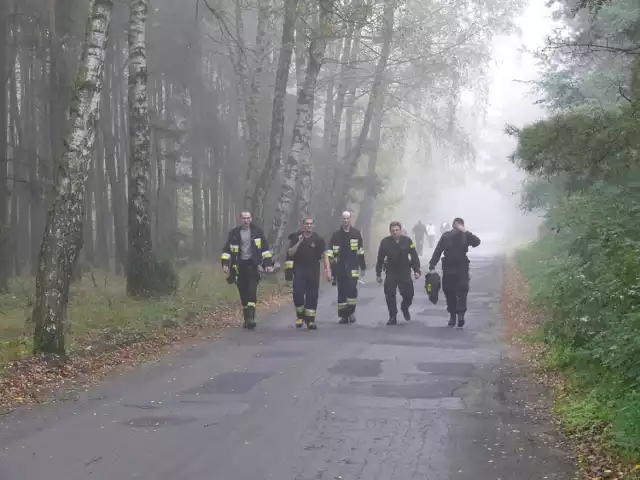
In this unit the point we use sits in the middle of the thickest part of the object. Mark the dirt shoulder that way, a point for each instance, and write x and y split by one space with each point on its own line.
34 380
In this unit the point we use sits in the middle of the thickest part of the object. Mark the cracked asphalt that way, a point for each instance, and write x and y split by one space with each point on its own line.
351 402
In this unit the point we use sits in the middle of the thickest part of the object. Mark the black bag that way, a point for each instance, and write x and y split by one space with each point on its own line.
432 286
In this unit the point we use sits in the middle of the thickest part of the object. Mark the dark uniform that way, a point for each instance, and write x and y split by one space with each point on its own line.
419 231
401 257
244 271
455 271
305 266
346 251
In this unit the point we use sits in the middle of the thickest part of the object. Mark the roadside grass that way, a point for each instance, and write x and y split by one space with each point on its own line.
102 318
591 352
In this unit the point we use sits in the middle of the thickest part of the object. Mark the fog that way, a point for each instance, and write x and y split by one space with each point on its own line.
483 190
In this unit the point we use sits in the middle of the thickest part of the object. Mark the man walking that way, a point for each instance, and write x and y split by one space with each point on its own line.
419 231
306 249
245 250
401 256
455 244
431 234
346 251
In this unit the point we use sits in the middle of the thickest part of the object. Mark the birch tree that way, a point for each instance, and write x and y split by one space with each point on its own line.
4 192
62 239
277 113
140 247
300 151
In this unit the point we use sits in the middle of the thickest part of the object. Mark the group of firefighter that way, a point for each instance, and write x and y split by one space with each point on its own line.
247 254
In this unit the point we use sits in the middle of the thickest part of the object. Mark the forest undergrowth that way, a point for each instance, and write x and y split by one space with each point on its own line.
594 409
107 329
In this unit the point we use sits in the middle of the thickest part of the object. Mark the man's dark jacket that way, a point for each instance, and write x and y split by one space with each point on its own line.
260 252
401 256
346 250
454 245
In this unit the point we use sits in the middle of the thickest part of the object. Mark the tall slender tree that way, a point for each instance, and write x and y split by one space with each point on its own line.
4 191
62 239
140 246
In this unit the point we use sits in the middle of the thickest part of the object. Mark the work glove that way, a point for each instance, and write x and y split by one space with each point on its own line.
362 273
379 279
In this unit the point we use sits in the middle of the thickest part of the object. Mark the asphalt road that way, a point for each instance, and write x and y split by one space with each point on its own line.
352 402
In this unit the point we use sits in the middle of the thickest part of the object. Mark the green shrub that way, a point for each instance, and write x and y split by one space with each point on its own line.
165 279
585 272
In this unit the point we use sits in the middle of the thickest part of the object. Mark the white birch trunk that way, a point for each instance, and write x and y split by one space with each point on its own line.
375 104
253 103
277 114
298 163
139 260
62 239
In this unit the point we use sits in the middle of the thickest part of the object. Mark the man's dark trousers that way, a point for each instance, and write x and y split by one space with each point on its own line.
247 282
419 244
455 285
402 282
347 291
306 284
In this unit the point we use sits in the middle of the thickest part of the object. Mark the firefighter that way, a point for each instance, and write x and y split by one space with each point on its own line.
455 244
401 257
346 251
419 231
306 249
246 249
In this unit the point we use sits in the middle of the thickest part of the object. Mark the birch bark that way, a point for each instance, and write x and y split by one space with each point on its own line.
297 168
62 239
140 262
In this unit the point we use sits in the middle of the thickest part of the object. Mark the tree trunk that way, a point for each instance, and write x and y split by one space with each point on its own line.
300 151
253 104
140 265
375 103
277 113
345 81
5 256
102 204
365 213
62 238
350 100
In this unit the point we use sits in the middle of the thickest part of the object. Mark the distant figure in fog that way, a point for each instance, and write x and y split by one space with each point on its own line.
419 231
455 244
431 234
444 227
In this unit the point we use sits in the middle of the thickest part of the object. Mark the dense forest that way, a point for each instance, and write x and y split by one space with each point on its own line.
584 176
135 132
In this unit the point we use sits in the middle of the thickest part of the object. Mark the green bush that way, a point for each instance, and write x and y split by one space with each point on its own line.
585 272
165 279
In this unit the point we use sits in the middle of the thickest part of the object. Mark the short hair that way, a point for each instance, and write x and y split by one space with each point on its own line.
395 223
346 212
245 211
307 217
458 220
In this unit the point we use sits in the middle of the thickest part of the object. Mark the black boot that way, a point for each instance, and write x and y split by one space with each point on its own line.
461 320
311 323
392 320
352 318
452 320
343 320
405 313
250 322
